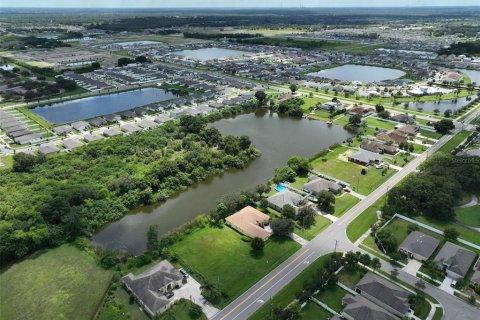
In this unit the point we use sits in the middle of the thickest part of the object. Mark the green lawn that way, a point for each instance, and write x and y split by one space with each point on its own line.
344 203
469 216
422 309
438 314
310 233
220 255
380 123
430 134
351 276
312 102
453 142
62 283
287 294
180 311
350 172
7 162
364 221
320 115
401 159
332 297
313 311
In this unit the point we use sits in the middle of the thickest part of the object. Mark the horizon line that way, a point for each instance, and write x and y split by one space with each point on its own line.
256 7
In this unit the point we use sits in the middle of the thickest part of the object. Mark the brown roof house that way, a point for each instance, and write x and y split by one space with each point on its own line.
377 147
250 222
408 129
366 158
419 246
394 136
317 184
382 292
455 260
150 287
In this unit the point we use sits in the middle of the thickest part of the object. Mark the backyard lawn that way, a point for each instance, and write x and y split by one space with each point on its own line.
62 283
351 276
287 294
313 311
350 172
220 255
344 203
332 297
365 220
310 233
380 123
180 311
465 233
430 134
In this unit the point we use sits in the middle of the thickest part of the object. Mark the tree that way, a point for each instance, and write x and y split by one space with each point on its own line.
351 258
261 96
244 142
288 211
355 120
447 113
363 172
420 285
384 114
192 124
300 165
444 126
282 227
284 174
195 311
375 264
257 244
293 87
451 234
306 216
211 292
365 259
24 162
152 237
326 201
387 241
124 61
394 273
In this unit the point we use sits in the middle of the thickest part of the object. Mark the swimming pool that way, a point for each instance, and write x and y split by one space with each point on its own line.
280 187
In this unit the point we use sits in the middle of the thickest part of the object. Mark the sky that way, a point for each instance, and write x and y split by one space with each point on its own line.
231 3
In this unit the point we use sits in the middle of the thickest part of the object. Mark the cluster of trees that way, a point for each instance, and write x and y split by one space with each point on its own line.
88 68
125 61
46 202
210 36
307 44
291 107
444 126
435 190
23 43
38 89
406 146
469 48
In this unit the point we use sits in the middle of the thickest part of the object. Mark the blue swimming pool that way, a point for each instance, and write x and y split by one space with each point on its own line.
280 188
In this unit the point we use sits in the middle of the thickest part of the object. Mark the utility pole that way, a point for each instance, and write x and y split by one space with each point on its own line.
336 242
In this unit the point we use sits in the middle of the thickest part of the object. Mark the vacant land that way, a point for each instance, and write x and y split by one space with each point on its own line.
62 283
344 203
364 221
310 233
287 294
455 141
469 216
380 123
221 256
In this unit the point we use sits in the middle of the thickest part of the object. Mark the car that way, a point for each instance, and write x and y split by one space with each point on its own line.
453 284
379 166
184 273
347 189
342 184
169 294
313 199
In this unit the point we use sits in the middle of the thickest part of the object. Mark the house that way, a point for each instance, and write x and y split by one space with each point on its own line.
62 129
361 111
162 118
80 125
366 158
147 124
357 307
419 246
279 199
377 147
112 132
71 144
394 136
317 184
97 122
455 260
331 106
407 129
177 113
403 118
112 118
385 294
130 128
140 111
48 149
91 137
476 274
250 222
127 114
150 287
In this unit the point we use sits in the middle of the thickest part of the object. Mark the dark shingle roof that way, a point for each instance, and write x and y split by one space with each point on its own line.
420 243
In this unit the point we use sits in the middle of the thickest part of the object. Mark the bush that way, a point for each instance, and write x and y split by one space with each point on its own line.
195 311
257 244
282 227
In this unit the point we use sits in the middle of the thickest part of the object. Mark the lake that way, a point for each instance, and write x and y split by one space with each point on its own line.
92 107
213 53
473 74
278 138
353 72
442 105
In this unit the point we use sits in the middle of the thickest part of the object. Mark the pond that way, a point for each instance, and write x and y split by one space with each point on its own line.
353 72
441 105
213 53
473 74
278 138
92 107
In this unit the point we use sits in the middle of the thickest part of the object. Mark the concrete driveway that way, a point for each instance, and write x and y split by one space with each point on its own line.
191 291
447 285
412 267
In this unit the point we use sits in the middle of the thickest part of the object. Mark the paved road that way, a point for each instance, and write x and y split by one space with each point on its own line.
335 237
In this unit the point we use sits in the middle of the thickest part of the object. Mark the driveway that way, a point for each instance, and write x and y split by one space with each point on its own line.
191 291
412 267
447 285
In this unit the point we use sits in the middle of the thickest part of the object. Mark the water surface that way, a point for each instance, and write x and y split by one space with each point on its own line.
353 72
213 53
441 105
278 138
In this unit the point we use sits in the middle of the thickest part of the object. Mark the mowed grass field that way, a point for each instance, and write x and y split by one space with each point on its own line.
221 256
62 283
469 216
364 221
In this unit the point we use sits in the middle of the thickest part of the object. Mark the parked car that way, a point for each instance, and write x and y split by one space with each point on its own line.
347 189
169 294
184 273
313 199
379 166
